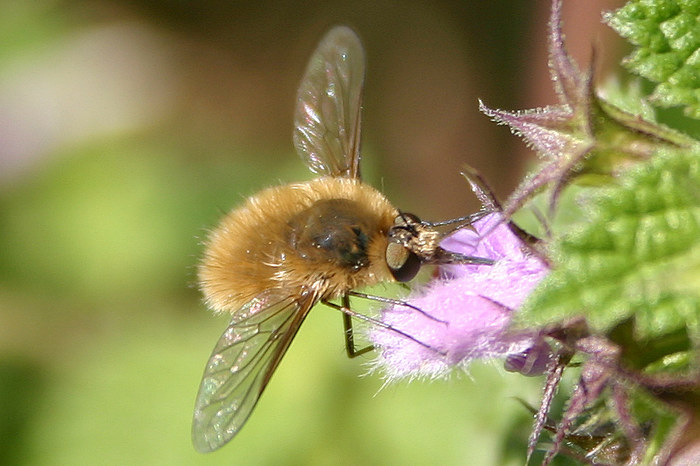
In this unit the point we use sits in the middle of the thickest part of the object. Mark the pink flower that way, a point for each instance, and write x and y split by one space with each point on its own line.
464 313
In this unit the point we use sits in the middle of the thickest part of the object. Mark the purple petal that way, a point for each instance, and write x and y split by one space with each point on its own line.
465 313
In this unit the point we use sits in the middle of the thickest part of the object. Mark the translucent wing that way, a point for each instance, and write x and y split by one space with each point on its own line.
241 365
329 104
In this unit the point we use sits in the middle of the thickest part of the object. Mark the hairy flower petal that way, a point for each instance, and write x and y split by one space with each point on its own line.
465 312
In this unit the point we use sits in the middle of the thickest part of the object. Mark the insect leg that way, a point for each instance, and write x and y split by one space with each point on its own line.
395 302
350 348
345 309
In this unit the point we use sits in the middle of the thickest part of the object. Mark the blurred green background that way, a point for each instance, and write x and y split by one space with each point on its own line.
128 127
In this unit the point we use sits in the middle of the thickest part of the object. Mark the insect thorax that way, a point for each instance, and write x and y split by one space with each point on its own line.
333 232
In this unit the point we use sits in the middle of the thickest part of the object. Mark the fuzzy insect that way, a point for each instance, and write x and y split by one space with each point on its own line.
292 246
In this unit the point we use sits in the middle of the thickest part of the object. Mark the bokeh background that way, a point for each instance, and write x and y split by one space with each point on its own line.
128 127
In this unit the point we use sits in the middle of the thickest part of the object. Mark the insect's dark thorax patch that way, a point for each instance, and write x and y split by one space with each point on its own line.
333 231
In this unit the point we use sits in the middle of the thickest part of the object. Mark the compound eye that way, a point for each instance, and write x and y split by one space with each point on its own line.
403 264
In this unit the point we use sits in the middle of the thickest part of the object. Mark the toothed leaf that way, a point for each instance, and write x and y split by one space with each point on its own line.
637 254
666 34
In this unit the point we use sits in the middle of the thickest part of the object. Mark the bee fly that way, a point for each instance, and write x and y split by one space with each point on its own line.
289 247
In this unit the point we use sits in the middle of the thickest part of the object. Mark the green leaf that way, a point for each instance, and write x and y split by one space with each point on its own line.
637 254
666 34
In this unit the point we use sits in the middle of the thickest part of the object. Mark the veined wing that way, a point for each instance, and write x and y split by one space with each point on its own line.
241 365
329 106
